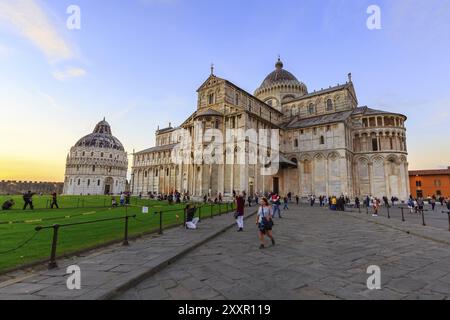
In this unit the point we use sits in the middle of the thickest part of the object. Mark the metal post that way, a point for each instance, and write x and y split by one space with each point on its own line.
423 217
125 240
211 209
200 213
52 264
160 222
389 215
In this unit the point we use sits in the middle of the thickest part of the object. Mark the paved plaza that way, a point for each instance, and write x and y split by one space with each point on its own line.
318 255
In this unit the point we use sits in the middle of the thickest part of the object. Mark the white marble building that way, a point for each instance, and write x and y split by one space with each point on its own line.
97 164
329 145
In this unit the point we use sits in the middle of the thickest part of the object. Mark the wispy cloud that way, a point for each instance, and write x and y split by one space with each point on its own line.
69 72
30 21
50 101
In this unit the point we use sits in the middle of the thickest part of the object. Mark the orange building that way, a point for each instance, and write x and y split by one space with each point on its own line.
428 182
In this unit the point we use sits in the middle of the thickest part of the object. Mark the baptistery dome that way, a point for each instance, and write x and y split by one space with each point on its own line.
101 138
97 164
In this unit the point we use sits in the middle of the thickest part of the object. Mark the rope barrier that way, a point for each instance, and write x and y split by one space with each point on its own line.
21 245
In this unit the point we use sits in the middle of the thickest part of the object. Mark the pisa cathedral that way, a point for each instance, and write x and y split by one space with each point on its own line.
329 145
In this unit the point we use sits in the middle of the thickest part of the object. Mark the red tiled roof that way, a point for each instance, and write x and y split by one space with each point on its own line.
430 172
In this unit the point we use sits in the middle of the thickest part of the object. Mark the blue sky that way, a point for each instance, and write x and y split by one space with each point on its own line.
139 63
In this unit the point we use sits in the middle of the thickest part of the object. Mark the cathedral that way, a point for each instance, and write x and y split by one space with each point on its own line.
328 144
97 164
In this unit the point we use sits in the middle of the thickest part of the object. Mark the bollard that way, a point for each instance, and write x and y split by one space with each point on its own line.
403 214
389 215
423 217
53 264
125 240
160 222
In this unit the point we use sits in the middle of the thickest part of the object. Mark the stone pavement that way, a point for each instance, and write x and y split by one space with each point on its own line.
112 269
318 255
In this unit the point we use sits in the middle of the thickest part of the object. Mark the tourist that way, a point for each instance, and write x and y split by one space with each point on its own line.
191 221
433 202
420 205
276 205
312 200
297 200
411 204
127 198
249 201
28 200
122 199
114 202
239 214
264 222
333 203
54 201
8 204
286 202
220 198
357 203
376 205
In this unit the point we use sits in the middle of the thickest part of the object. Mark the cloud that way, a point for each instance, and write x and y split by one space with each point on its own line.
69 72
30 21
50 100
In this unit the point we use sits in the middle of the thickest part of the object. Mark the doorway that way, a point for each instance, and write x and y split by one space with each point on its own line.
276 185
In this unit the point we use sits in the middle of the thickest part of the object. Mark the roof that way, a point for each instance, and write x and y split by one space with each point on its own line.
432 172
366 111
101 137
208 112
323 91
158 148
319 120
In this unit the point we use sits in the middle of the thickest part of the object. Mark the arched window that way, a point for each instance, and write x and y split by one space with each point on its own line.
156 173
329 105
311 109
145 174
296 143
211 98
93 168
322 140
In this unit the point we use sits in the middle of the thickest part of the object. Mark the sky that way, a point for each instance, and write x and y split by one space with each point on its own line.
139 63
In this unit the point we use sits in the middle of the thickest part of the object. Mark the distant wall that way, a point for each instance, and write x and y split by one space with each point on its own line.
20 187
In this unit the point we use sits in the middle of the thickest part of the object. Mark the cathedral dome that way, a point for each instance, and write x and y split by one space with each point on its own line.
280 86
101 138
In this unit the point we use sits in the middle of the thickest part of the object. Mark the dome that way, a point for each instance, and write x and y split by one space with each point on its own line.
101 138
280 77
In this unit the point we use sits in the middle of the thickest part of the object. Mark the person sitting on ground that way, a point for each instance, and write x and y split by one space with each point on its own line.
113 202
8 204
191 221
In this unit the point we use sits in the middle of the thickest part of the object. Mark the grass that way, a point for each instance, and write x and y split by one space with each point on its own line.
76 209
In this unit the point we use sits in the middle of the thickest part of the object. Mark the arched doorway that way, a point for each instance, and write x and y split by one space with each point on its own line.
109 185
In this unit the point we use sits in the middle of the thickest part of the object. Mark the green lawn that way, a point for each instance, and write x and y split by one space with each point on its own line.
76 209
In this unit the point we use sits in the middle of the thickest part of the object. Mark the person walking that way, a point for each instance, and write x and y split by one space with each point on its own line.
276 205
28 200
239 214
297 200
376 205
433 202
286 203
264 222
54 201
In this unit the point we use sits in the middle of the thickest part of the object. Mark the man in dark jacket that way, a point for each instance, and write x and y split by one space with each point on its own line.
28 200
54 201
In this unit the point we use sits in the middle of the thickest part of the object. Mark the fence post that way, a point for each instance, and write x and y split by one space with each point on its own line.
200 213
52 264
160 222
125 239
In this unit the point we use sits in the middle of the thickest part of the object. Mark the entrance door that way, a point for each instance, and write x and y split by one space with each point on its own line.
276 185
109 182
